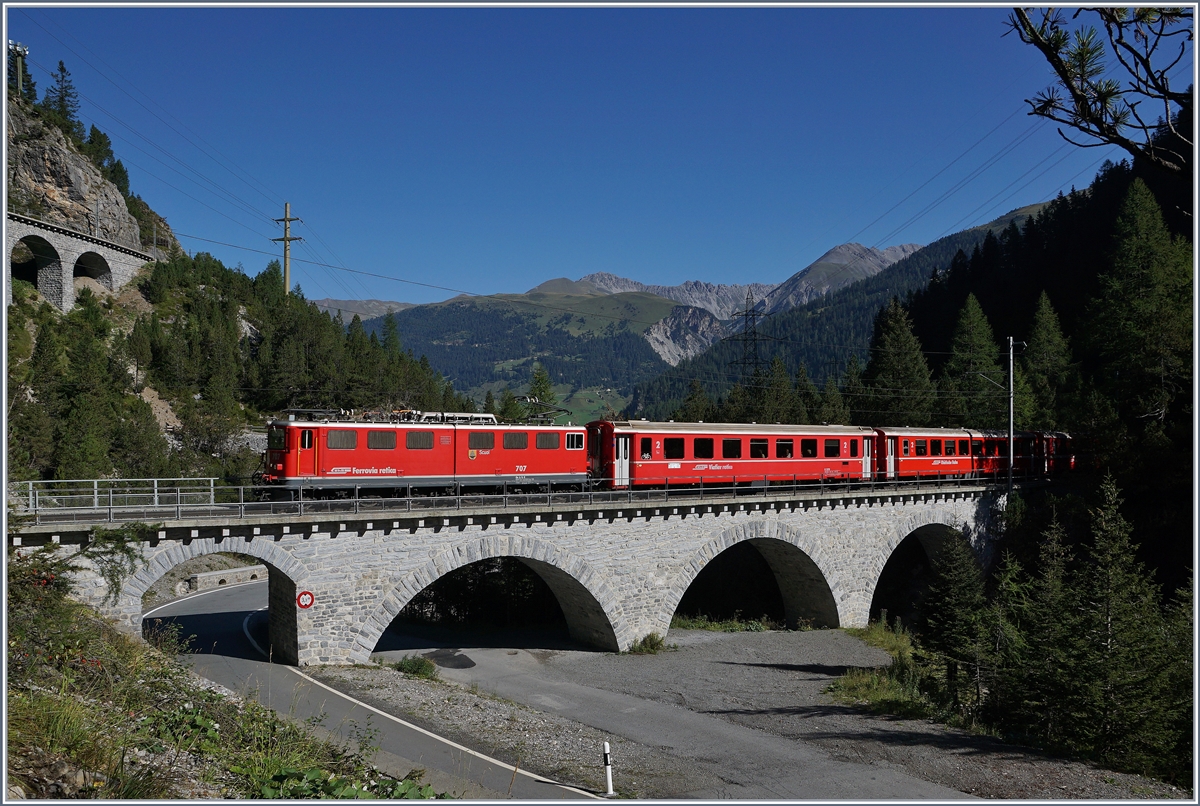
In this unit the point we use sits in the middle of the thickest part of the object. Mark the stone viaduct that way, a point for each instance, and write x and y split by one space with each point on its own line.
618 571
60 255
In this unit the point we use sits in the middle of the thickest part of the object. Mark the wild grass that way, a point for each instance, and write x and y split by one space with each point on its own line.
736 624
650 644
417 666
895 689
119 718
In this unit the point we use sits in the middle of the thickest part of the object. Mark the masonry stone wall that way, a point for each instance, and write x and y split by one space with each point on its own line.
618 574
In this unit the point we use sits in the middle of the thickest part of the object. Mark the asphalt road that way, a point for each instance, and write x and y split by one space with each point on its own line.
229 625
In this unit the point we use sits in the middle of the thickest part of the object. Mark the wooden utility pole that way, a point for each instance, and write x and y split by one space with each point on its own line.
287 242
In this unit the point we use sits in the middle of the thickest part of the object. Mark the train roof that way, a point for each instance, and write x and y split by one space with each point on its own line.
405 418
965 433
781 429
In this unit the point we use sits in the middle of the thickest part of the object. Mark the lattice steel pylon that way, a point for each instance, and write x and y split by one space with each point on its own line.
751 364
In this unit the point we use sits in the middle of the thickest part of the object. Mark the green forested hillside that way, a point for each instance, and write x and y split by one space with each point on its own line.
490 343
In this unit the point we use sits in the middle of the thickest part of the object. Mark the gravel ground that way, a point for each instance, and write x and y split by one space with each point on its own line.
772 682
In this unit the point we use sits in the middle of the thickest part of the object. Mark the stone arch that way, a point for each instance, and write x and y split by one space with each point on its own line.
44 269
797 561
928 528
93 265
284 578
586 600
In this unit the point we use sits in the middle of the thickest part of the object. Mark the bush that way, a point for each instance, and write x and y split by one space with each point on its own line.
650 644
417 666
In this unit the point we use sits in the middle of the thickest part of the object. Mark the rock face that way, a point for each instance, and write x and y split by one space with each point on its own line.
49 180
719 300
365 308
685 332
835 269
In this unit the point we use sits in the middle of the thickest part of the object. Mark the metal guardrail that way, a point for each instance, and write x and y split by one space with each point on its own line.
124 501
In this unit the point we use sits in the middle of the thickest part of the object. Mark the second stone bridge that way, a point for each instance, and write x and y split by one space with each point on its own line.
618 572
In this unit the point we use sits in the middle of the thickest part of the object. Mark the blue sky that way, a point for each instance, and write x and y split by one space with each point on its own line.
488 150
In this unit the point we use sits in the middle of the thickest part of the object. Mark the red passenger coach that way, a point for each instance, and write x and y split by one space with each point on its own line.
944 452
637 453
421 450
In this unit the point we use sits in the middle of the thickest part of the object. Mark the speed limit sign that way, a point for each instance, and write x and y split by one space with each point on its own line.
305 600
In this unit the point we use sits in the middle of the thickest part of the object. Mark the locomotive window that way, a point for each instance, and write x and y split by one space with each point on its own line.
306 439
481 440
853 448
962 447
833 448
808 448
574 442
276 439
516 441
935 447
419 440
646 443
921 448
341 440
977 447
993 447
949 447
702 447
381 440
783 449
759 448
547 442
906 447
673 447
731 449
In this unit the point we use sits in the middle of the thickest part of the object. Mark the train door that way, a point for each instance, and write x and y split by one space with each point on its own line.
891 457
306 453
621 462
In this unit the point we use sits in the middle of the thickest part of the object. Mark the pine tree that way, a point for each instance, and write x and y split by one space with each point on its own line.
61 102
807 398
1046 362
1004 650
833 409
489 403
696 408
973 385
778 402
511 410
952 611
854 393
897 377
1121 716
540 386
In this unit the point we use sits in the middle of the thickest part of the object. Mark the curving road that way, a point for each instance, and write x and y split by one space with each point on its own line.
229 626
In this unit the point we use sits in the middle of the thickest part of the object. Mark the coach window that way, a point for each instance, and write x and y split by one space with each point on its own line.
646 443
977 447
673 447
731 449
575 442
341 440
853 448
306 440
783 449
381 440
808 448
935 447
759 448
949 447
418 440
702 447
905 451
833 448
516 441
922 449
481 440
547 442
963 447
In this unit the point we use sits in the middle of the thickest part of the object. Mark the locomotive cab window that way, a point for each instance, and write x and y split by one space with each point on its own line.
833 448
306 438
702 447
574 442
418 440
338 439
935 447
808 448
381 440
277 439
759 448
516 441
547 442
783 449
673 447
646 443
731 449
481 440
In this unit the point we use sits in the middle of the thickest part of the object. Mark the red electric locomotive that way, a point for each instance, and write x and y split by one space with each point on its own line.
637 453
420 450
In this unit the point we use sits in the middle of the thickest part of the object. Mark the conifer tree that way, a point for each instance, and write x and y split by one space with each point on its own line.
511 409
696 408
897 376
489 403
540 386
833 408
854 393
952 611
61 102
778 403
807 398
973 385
1046 363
